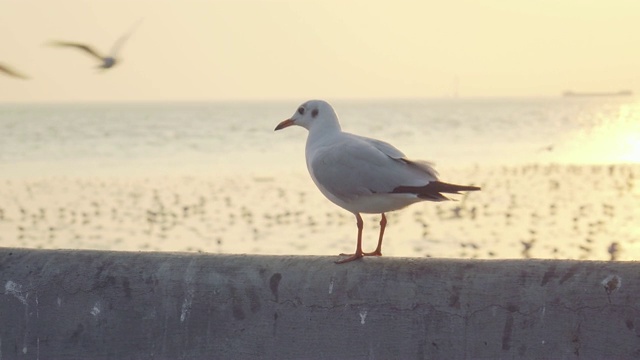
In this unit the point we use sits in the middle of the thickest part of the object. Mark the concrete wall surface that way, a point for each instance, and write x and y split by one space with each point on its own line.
67 304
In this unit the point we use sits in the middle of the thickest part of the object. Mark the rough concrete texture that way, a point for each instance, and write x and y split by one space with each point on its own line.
119 305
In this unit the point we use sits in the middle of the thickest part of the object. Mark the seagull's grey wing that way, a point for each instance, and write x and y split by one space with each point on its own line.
9 71
86 48
118 44
122 39
386 148
394 153
357 166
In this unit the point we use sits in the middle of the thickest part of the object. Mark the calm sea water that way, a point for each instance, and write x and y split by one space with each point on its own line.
216 177
212 137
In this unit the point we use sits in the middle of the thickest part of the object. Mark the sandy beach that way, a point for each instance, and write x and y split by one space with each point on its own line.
528 211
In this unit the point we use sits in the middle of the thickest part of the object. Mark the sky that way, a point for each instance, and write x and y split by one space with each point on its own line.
188 50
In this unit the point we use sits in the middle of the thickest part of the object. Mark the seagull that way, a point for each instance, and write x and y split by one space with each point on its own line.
363 175
107 61
9 71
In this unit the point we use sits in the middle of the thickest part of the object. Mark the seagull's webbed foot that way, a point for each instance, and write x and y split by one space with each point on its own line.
351 257
358 254
373 253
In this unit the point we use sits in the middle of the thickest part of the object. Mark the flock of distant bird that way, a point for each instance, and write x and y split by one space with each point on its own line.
106 61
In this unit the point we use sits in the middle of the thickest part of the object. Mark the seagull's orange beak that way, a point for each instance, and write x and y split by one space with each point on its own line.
284 124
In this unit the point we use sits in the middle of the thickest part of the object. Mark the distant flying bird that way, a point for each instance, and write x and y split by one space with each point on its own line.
107 61
9 71
546 148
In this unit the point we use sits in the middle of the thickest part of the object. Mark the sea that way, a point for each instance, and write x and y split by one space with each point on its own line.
560 178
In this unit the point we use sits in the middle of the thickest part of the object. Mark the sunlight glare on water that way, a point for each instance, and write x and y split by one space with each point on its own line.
612 136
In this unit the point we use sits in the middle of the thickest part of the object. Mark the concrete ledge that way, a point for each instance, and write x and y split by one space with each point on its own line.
119 305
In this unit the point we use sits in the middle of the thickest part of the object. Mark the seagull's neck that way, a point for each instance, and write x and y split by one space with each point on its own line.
318 133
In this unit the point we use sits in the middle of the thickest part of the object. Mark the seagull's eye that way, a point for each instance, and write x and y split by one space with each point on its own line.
301 110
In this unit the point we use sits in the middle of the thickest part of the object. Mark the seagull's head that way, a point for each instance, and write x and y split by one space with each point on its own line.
312 114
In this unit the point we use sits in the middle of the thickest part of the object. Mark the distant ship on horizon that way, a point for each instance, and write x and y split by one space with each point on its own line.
583 94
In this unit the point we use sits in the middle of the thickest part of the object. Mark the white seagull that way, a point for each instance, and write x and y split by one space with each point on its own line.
363 175
107 61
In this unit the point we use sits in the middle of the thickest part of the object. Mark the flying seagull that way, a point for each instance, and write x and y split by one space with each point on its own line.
363 175
9 71
107 61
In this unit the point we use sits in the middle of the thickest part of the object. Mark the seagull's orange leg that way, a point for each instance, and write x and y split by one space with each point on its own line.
378 250
358 253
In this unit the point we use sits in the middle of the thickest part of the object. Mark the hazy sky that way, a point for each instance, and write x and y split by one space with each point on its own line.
262 49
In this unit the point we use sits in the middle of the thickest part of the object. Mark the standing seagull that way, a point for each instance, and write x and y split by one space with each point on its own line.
363 175
9 71
107 61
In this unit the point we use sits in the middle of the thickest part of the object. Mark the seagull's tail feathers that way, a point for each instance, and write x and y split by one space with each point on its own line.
432 191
